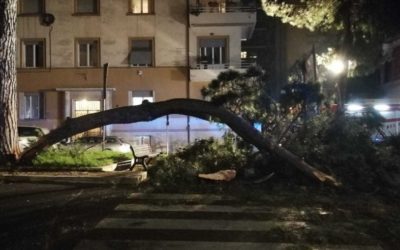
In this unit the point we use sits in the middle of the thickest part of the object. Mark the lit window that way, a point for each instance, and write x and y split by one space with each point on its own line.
141 6
243 54
87 6
141 52
88 52
30 7
212 50
31 106
142 95
84 107
33 53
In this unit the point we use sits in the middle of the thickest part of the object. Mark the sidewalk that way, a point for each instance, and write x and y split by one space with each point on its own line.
106 177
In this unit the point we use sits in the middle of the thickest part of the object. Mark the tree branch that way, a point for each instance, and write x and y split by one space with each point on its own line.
151 111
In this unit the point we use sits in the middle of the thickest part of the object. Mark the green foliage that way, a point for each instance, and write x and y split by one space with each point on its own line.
310 14
172 174
178 172
74 157
244 94
343 147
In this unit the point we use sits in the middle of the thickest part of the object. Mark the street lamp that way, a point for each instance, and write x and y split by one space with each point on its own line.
336 66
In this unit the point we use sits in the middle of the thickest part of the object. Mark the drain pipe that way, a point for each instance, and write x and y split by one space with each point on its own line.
188 66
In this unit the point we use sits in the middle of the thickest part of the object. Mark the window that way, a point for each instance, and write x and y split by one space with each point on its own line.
31 106
138 96
141 6
212 50
87 7
33 53
84 107
88 52
31 7
141 52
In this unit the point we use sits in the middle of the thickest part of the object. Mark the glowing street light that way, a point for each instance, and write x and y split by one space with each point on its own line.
336 66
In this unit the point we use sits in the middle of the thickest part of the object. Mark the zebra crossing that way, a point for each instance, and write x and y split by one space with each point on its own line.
193 221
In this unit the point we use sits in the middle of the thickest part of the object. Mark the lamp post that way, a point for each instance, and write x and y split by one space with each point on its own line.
337 67
105 74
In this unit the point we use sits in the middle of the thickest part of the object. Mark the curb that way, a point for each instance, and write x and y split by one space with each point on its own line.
109 179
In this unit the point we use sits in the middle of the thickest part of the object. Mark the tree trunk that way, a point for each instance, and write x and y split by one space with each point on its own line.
190 107
347 40
9 150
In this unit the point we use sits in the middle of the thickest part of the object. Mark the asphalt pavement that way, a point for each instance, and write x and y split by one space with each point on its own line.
52 216
84 216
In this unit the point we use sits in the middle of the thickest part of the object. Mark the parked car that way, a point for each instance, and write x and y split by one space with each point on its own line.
28 135
112 143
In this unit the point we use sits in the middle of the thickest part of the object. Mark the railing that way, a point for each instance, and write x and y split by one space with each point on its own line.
220 8
224 66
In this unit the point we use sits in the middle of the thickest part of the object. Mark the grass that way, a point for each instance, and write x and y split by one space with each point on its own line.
77 158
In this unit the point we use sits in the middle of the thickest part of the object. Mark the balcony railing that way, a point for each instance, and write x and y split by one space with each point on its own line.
224 66
220 8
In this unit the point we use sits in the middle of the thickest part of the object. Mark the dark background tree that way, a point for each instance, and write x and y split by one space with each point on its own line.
361 26
9 150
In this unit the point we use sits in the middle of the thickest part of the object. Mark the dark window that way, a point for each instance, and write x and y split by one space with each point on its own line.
33 53
86 6
212 50
30 6
141 52
88 52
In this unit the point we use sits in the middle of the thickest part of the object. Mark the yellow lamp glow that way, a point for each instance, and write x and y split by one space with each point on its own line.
336 66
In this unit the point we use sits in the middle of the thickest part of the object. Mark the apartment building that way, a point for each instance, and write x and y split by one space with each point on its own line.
390 76
156 50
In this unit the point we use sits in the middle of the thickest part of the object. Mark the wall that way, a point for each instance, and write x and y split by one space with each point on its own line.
167 26
60 80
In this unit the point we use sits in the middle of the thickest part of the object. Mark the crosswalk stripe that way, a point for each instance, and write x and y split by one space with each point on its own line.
204 245
183 224
190 208
195 221
217 208
193 197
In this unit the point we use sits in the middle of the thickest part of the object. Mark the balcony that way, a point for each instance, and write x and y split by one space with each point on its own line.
208 72
223 13
220 7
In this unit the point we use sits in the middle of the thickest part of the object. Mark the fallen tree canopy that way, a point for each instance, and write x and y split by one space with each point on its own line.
191 107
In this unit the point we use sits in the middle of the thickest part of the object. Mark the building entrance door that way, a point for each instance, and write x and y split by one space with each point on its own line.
84 107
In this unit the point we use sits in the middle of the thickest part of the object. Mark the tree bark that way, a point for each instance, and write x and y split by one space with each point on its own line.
345 11
190 107
9 150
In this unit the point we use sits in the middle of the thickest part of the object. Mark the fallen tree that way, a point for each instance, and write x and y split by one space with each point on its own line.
191 107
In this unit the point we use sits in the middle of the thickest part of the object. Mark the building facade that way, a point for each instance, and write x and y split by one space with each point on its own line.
390 74
156 50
